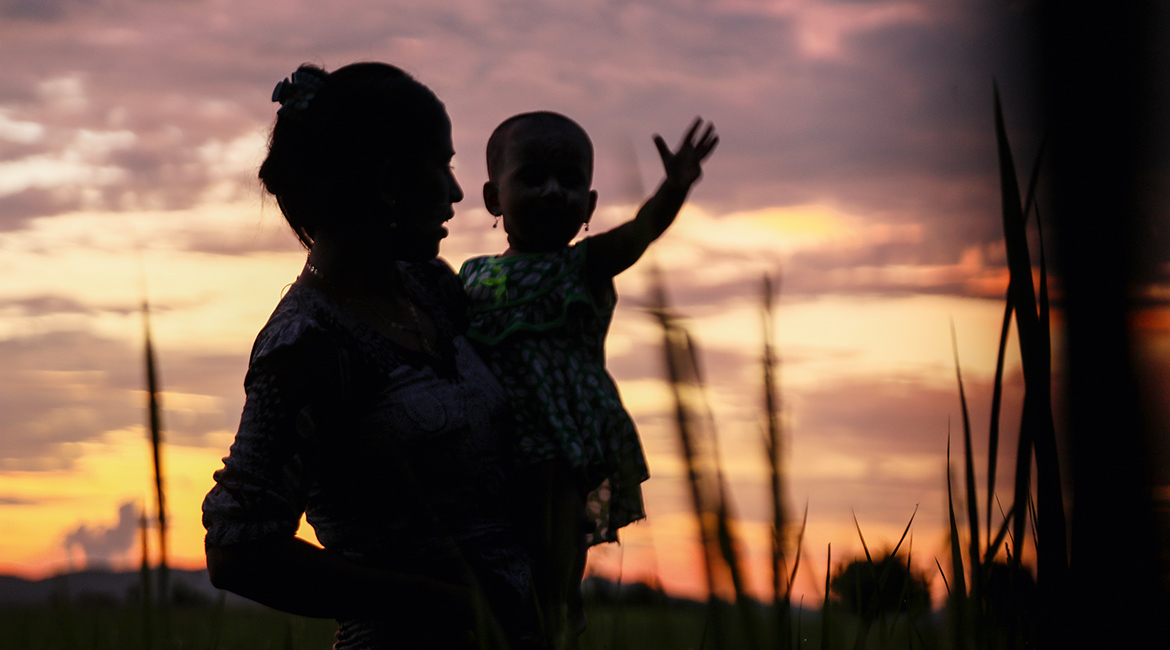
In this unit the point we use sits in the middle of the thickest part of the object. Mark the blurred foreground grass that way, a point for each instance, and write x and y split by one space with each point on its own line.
108 626
670 625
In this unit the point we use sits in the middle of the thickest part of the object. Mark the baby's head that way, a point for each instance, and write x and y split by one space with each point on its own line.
540 175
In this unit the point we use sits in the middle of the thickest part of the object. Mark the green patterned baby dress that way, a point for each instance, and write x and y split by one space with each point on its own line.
542 331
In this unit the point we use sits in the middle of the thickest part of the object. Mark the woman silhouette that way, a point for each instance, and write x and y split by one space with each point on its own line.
366 408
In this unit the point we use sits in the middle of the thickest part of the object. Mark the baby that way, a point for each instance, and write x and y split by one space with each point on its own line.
539 316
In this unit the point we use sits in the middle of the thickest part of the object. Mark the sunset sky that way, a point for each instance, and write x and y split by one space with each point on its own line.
856 162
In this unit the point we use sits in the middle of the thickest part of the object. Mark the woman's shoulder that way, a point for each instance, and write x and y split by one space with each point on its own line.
299 322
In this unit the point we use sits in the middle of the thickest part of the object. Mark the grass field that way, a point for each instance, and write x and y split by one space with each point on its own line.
676 625
117 627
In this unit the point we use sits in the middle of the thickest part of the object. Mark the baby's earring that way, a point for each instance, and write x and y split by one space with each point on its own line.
497 223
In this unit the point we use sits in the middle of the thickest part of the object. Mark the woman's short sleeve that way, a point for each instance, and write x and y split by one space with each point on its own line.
263 487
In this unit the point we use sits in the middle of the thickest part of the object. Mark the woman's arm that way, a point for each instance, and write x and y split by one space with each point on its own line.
292 575
252 513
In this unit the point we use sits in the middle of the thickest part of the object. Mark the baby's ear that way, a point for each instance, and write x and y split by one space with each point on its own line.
491 199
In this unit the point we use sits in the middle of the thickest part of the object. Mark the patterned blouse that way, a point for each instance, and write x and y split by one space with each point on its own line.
396 458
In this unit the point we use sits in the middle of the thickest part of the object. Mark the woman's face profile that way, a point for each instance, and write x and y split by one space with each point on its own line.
421 190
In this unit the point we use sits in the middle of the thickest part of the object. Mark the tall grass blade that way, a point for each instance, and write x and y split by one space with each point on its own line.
1022 483
1052 554
905 531
775 444
680 380
145 580
958 600
996 407
156 444
728 549
717 491
1030 200
1034 518
994 544
870 614
784 613
1022 492
973 535
943 575
697 440
799 546
825 626
864 547
903 593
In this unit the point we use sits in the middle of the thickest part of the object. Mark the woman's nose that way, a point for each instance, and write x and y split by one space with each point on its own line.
456 190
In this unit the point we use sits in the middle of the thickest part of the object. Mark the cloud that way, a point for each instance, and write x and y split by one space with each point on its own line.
17 210
873 418
18 131
57 389
101 544
56 10
65 94
877 110
62 388
882 106
40 10
16 500
45 306
48 172
876 449
896 267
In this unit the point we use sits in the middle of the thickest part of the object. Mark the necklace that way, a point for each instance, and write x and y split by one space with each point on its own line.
417 330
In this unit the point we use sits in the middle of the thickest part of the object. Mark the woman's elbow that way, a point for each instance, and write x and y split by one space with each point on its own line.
226 567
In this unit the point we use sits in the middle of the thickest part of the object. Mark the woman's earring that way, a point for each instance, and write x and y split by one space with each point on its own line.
497 223
586 226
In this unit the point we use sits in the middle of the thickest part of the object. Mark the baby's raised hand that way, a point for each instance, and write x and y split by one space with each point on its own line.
684 166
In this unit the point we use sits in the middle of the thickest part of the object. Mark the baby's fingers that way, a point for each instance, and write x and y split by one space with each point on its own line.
663 150
690 134
708 134
707 142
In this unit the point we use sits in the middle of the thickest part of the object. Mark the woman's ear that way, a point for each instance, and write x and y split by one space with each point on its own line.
491 199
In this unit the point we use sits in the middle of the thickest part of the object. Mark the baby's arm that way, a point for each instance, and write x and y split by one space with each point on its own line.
614 251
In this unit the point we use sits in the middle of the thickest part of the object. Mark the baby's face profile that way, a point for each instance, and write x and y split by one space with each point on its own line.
543 190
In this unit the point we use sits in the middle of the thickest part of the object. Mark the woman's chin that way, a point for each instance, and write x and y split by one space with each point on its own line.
420 252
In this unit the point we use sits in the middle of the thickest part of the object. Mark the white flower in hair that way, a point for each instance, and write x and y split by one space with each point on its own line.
297 90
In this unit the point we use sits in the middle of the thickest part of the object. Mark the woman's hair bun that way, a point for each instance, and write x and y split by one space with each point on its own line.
296 90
